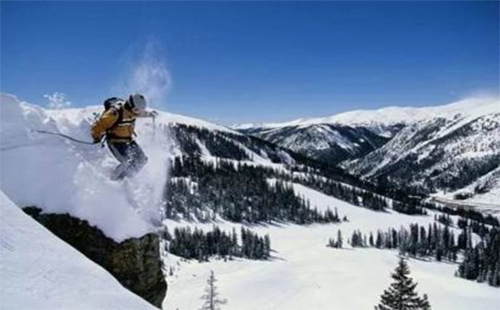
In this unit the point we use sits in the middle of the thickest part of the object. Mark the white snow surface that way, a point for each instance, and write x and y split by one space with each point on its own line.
488 202
60 176
39 271
305 274
395 115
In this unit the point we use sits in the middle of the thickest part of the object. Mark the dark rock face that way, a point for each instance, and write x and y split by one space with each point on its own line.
135 262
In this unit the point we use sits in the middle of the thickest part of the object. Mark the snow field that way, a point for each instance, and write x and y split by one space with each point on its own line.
305 274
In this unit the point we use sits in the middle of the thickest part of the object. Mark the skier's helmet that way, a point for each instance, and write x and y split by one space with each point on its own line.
137 101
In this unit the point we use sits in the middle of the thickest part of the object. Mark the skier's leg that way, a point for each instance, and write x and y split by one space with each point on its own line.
137 158
121 153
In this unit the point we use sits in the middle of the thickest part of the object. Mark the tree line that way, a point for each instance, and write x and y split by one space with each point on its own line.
200 245
481 261
226 145
237 192
416 241
360 197
465 213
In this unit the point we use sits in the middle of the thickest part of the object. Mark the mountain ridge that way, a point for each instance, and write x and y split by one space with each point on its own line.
391 115
396 131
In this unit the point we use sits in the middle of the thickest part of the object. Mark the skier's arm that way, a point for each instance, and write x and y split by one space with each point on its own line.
145 113
107 120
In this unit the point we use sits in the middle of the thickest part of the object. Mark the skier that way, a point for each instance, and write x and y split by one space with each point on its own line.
117 124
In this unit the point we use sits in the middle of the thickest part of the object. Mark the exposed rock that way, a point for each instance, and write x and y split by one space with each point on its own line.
135 262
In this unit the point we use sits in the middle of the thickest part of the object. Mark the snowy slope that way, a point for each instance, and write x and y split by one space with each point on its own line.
60 176
484 193
330 143
439 155
389 116
39 271
305 274
354 134
444 149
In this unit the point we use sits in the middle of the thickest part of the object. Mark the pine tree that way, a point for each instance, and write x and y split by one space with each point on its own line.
401 294
425 305
339 239
211 296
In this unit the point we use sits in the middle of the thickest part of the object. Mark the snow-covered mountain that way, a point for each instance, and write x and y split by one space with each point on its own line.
222 177
380 120
331 143
484 191
440 155
439 146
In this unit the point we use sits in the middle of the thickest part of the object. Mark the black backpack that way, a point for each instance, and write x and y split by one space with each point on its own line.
113 102
116 103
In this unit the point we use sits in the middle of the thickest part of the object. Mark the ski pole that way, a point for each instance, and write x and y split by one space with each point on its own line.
154 127
65 136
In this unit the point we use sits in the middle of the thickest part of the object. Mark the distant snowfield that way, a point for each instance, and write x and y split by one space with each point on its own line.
39 271
305 274
394 115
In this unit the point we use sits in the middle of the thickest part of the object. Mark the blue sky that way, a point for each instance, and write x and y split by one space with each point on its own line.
232 62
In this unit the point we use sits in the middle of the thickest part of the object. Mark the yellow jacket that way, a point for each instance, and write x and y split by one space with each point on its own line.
107 125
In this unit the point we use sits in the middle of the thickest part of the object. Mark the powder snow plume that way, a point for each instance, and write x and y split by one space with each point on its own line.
60 176
149 75
73 178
